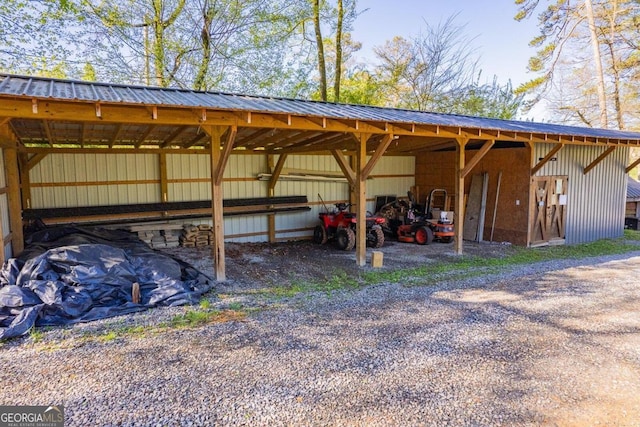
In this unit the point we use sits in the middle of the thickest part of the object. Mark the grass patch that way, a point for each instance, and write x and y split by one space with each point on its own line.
195 318
458 268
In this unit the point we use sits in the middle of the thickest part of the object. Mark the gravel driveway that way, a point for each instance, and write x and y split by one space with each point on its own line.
550 344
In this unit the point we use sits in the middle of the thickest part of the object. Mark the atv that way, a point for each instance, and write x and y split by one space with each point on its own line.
340 225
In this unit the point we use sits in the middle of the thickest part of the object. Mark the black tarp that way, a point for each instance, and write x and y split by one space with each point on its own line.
68 275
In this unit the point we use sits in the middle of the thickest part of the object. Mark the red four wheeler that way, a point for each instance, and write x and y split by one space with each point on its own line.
340 225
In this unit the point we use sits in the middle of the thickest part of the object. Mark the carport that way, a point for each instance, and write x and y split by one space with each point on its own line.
39 116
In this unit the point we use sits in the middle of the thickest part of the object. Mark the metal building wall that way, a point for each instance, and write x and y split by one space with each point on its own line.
71 180
66 180
596 201
4 208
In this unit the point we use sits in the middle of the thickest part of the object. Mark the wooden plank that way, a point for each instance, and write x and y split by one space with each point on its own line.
25 180
460 198
164 185
495 206
600 158
472 211
15 204
546 158
632 165
483 206
478 156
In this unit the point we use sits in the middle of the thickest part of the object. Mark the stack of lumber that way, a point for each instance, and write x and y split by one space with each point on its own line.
196 235
158 235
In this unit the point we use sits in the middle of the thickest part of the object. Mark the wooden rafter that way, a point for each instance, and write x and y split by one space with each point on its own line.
170 138
47 131
196 139
115 135
546 158
600 158
145 135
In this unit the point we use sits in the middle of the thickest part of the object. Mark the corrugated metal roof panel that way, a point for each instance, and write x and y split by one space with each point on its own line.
41 87
633 188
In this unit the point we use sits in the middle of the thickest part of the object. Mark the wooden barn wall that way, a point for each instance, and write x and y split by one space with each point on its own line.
4 208
71 180
596 201
437 170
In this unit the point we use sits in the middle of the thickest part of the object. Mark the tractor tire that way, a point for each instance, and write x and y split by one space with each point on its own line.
424 235
446 239
375 238
345 239
320 235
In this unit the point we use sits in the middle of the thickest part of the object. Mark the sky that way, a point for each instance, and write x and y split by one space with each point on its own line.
501 42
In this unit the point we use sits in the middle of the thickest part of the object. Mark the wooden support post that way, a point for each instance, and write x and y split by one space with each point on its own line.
15 203
361 200
218 163
164 186
353 162
25 181
275 175
459 209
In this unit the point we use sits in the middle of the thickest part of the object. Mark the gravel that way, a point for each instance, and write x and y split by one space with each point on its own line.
553 343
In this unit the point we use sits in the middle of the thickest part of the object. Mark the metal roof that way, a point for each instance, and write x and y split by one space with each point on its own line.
633 189
79 91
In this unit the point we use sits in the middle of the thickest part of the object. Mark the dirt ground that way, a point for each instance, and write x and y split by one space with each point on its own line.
251 265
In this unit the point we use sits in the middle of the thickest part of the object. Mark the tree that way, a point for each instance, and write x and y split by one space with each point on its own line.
566 30
430 71
31 40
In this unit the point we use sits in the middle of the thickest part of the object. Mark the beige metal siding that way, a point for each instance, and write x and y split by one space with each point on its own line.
596 201
110 180
70 180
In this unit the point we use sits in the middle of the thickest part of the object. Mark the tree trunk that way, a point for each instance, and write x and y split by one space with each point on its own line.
205 39
602 97
322 68
338 73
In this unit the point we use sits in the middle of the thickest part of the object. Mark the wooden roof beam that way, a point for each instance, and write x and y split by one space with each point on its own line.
546 158
168 140
600 158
